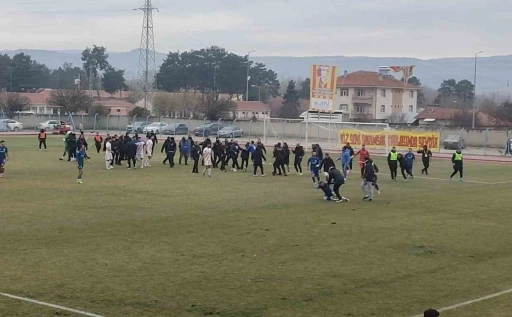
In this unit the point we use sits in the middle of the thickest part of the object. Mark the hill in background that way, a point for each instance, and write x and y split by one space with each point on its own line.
494 72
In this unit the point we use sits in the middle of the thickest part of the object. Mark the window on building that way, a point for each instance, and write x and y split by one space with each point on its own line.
411 94
344 108
360 92
344 92
359 109
382 109
118 110
383 93
411 108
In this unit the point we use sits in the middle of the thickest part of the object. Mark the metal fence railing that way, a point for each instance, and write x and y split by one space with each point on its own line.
481 141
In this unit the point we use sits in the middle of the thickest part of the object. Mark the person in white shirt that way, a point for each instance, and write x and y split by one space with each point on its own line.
140 152
108 154
207 157
149 151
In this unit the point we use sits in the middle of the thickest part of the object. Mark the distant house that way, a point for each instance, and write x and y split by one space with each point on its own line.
39 102
247 110
374 96
435 116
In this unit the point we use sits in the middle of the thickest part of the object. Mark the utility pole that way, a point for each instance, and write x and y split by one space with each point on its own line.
147 61
474 91
248 77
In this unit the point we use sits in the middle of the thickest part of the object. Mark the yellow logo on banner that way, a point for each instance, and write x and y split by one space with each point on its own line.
402 140
323 88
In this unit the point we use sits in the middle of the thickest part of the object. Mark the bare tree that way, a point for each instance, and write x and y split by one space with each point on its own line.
464 118
12 103
397 117
214 108
72 100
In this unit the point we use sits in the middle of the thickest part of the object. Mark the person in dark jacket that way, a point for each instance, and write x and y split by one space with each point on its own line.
194 154
105 142
299 154
279 160
352 153
164 148
245 156
319 152
171 151
431 313
234 151
215 150
115 151
336 179
228 145
131 151
401 162
71 142
426 157
155 141
286 150
222 157
258 142
258 157
327 163
82 141
121 148
184 150
368 179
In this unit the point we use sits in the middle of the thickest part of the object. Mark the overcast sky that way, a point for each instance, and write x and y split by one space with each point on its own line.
412 28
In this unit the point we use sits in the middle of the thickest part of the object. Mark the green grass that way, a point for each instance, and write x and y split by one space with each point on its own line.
165 242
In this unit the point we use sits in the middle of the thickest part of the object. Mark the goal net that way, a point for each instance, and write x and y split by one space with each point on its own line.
329 134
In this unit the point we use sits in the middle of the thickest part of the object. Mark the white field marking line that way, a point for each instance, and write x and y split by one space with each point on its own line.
469 302
51 305
451 180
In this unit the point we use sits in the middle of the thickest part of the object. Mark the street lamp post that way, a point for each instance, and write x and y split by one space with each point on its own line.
259 92
474 91
248 77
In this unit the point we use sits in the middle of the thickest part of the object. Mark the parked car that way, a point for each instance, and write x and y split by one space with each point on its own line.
62 128
156 127
175 129
208 129
136 127
230 132
454 142
11 125
48 125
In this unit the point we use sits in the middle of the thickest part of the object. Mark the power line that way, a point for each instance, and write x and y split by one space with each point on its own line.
64 12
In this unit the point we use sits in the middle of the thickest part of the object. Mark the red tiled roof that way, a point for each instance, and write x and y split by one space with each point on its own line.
481 119
251 106
440 113
38 98
371 79
115 103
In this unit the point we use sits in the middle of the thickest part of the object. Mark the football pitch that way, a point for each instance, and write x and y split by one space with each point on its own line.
166 242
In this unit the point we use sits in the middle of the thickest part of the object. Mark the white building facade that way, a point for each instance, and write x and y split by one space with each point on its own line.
368 96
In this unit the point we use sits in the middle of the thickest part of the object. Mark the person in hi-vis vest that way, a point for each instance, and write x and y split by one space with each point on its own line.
42 139
457 164
97 141
393 163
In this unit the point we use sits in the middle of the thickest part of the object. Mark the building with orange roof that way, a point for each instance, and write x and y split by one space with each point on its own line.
373 96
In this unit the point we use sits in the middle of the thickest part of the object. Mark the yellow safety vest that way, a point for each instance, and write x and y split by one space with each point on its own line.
393 156
458 157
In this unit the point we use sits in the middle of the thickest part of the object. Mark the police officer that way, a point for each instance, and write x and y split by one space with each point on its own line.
393 163
457 164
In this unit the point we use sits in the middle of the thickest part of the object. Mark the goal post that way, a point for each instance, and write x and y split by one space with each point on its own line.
330 134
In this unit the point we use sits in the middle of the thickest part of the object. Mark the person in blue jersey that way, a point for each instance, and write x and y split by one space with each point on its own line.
409 162
4 156
314 167
345 158
245 156
328 194
81 156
